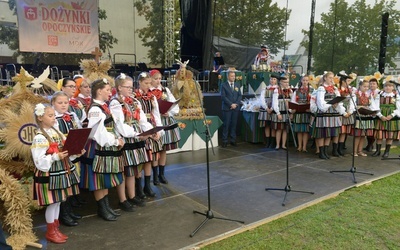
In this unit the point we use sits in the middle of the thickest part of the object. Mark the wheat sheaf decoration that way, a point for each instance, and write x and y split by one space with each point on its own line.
94 71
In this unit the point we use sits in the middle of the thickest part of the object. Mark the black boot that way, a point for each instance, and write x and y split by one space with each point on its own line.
147 188
335 150
68 207
387 150
73 202
378 150
267 141
103 212
80 200
272 143
65 217
340 148
161 175
325 152
155 176
139 189
321 153
112 211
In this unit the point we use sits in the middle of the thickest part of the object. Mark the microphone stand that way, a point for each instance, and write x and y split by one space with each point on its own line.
208 214
287 187
353 169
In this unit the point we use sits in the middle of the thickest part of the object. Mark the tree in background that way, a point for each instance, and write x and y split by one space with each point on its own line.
348 37
9 36
152 35
253 22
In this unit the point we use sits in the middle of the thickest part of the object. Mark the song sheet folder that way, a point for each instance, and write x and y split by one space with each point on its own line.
76 140
165 106
153 130
299 107
337 99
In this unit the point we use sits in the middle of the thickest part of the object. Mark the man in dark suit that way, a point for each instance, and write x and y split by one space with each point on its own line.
231 97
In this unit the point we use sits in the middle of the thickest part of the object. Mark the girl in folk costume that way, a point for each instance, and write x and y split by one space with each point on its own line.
148 102
264 115
171 136
327 121
82 93
128 119
375 98
104 150
348 119
281 113
301 120
364 124
54 177
64 122
68 86
388 125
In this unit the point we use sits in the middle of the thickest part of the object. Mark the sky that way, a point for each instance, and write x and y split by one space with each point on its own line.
300 18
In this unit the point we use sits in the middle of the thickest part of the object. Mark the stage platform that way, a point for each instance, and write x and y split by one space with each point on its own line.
239 176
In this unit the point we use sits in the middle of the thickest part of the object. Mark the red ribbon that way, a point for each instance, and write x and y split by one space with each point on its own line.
105 108
87 100
53 148
73 103
136 114
330 89
67 117
128 100
157 93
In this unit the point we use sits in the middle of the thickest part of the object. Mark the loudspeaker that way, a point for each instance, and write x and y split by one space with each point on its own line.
382 51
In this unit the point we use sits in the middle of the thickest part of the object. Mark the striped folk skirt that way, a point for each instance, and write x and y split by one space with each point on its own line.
154 147
171 136
56 185
100 180
364 126
301 122
387 129
265 118
347 124
326 124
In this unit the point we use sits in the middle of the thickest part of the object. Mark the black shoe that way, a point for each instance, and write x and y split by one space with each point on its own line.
147 188
139 188
156 181
161 175
137 202
234 144
126 206
65 217
75 216
224 144
103 212
68 208
112 211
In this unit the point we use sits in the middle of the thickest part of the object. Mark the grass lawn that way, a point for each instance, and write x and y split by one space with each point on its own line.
366 217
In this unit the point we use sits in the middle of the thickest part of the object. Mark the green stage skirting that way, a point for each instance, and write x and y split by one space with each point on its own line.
251 130
188 127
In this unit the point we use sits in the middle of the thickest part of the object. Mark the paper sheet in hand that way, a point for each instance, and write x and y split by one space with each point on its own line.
76 140
165 106
300 108
153 130
336 99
